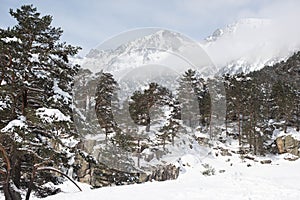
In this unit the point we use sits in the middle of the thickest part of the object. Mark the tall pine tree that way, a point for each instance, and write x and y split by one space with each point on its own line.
36 82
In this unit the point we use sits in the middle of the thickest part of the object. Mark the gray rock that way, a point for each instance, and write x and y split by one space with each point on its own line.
288 144
266 161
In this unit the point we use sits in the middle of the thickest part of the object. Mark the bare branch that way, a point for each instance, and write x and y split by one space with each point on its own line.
34 89
56 170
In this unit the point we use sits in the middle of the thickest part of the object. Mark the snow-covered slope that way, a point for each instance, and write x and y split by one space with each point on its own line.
250 44
233 179
206 175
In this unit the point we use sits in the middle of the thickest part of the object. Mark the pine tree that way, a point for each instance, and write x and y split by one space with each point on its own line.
105 94
284 98
84 113
142 102
297 109
194 97
217 106
172 123
37 85
230 99
238 98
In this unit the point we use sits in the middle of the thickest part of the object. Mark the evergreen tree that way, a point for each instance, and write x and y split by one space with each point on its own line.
238 98
142 102
284 98
230 100
172 119
194 98
105 94
297 109
37 86
84 113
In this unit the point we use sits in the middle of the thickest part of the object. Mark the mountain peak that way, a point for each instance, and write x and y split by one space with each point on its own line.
249 44
150 48
246 23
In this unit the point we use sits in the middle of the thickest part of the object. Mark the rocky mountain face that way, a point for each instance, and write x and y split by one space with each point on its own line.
149 49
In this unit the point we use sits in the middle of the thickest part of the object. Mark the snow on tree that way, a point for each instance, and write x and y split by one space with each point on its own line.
36 83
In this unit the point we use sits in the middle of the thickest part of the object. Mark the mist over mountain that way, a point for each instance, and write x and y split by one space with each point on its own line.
250 44
244 46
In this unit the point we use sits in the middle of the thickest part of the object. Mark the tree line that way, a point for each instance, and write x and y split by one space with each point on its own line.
256 104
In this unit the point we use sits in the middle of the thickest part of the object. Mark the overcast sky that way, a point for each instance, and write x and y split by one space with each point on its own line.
88 23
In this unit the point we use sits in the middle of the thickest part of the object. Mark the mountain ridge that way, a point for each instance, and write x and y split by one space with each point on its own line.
247 45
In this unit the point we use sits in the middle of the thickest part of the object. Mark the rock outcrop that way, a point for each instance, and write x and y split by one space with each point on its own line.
288 144
99 175
160 173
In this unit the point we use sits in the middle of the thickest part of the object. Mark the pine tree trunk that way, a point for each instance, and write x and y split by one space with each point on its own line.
16 167
298 117
9 193
24 102
286 122
239 127
251 133
173 142
139 152
148 128
6 191
210 126
16 173
226 122
30 186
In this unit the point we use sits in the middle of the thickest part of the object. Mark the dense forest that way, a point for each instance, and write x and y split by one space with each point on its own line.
256 104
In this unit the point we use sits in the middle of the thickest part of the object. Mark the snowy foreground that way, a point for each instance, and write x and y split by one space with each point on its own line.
279 180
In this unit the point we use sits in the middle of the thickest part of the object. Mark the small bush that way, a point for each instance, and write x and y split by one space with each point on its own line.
209 170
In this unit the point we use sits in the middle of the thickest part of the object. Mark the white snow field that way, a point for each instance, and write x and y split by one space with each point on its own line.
275 181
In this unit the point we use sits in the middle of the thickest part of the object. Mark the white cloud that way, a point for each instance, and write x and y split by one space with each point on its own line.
276 37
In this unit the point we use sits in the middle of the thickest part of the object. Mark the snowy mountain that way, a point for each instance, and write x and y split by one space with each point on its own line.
250 44
169 50
244 46
145 50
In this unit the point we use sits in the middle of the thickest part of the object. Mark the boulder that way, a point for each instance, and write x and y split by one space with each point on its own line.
288 144
280 145
99 175
225 152
160 173
266 161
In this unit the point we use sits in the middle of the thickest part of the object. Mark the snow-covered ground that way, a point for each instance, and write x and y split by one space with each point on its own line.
230 177
234 179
